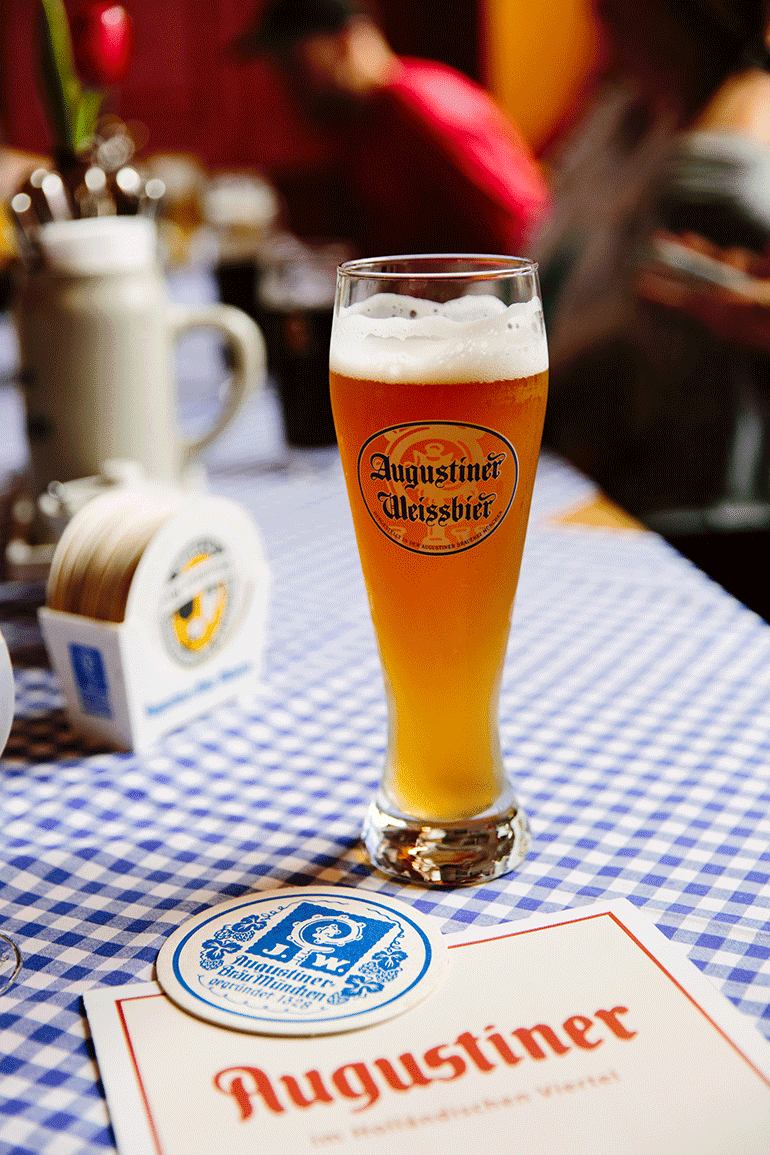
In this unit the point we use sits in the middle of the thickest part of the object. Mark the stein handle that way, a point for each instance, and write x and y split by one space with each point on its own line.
247 346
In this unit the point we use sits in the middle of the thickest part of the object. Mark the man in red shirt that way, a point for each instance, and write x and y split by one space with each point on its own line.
415 158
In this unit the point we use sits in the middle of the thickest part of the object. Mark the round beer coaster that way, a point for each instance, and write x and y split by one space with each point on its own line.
302 961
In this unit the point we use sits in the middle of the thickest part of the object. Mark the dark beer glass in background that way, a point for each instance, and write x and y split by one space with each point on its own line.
438 374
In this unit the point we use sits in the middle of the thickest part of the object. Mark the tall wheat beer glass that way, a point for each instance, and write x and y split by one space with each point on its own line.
439 373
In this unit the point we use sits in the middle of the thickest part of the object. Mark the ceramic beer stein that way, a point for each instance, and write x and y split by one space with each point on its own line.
96 334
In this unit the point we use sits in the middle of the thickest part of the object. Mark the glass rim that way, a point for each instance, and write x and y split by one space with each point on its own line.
447 267
7 981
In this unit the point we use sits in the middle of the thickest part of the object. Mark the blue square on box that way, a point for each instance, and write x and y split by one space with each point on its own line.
91 680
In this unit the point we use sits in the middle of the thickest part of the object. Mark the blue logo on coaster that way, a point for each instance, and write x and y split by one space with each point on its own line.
91 680
307 961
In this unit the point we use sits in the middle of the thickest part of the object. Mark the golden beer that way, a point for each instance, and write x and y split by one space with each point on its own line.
439 412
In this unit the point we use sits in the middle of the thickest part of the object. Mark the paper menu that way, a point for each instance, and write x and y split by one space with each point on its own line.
579 1032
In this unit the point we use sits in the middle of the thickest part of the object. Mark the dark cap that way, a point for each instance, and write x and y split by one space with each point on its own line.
283 22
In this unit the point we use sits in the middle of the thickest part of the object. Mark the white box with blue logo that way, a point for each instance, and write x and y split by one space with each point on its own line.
192 635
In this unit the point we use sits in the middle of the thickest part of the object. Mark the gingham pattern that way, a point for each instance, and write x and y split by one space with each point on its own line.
635 720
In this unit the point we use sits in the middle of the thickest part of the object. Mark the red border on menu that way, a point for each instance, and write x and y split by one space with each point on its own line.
136 1071
642 947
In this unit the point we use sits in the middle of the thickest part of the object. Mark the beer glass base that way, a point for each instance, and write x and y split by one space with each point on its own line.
435 853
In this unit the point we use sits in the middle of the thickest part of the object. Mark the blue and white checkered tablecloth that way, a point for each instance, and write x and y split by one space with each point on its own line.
635 721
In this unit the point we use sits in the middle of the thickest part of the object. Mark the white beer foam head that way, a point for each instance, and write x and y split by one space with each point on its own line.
473 338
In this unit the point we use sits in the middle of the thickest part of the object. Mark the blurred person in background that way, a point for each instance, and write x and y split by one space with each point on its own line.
416 157
660 379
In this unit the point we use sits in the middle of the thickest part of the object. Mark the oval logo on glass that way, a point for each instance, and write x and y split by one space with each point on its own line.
437 487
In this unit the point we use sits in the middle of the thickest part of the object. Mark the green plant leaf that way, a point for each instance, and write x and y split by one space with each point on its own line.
61 87
86 116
